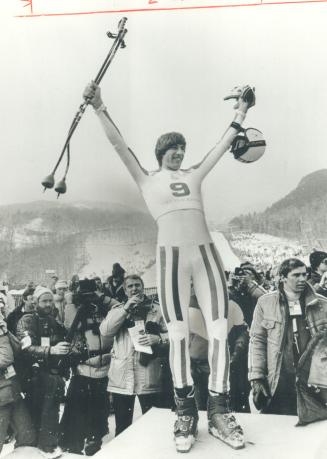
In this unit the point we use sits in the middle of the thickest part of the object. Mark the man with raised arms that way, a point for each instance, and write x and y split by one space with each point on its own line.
185 252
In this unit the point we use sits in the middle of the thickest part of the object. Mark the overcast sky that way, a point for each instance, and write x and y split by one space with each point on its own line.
173 75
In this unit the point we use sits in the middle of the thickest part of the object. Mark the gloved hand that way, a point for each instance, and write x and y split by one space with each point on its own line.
246 93
261 393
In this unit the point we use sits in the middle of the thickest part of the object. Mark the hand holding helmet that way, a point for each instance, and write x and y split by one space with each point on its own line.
249 145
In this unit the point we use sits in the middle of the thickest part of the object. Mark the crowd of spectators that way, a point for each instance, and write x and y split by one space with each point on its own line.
264 251
82 350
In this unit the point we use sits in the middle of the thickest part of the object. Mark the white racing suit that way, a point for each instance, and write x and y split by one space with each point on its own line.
185 254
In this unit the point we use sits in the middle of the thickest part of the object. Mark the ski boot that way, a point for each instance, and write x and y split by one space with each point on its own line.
222 423
186 426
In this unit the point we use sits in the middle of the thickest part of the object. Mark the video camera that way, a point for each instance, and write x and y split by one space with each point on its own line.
87 286
85 293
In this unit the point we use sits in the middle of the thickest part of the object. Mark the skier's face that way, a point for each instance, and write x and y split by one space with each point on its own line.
173 157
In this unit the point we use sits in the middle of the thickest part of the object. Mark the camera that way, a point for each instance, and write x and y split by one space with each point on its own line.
87 286
239 273
85 293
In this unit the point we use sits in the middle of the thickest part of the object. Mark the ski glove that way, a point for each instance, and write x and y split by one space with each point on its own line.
244 92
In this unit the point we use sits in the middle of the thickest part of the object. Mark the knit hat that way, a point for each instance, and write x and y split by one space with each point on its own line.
316 258
40 290
61 284
117 270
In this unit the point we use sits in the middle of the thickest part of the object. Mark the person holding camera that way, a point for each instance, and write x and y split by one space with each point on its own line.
44 346
85 418
245 290
140 336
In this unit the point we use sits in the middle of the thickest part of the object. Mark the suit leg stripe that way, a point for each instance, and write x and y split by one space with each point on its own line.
226 369
177 306
212 284
222 276
172 360
163 265
183 363
214 364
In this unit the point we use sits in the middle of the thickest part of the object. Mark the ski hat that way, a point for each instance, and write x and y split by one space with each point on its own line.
61 284
316 258
167 141
40 290
117 270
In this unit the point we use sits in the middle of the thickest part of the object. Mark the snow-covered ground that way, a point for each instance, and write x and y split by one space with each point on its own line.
102 253
140 257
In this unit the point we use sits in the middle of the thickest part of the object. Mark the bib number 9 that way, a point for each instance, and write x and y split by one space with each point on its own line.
180 189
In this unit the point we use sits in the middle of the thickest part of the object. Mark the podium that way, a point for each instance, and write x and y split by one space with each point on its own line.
267 437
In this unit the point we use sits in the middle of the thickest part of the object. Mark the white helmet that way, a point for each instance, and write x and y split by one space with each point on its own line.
248 146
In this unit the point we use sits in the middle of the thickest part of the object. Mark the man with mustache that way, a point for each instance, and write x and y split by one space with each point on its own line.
285 324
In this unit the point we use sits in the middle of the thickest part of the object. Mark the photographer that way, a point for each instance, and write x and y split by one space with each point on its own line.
133 372
85 418
43 343
245 290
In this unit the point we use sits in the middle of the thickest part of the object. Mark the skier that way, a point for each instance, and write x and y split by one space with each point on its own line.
185 253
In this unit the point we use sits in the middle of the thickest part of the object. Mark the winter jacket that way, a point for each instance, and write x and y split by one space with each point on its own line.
126 374
9 387
269 329
246 296
44 332
87 341
7 304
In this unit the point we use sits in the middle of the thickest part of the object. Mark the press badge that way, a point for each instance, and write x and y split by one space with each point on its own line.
26 342
45 341
295 308
10 372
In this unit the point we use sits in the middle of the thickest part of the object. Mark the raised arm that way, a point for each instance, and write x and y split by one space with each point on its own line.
92 95
245 99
